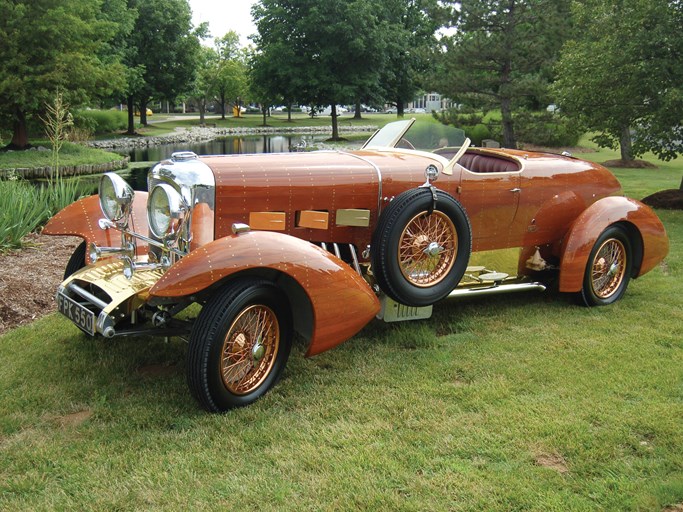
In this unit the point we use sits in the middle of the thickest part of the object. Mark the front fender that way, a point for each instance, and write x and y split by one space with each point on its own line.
81 219
341 301
642 224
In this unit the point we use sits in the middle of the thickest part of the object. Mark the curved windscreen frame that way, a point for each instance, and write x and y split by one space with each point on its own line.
389 135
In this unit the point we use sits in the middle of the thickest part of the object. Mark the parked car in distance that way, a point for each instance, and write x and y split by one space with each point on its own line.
321 243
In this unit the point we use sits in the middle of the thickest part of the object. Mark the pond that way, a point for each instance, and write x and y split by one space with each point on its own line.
226 146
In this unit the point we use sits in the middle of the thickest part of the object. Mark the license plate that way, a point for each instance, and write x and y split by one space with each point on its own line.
80 315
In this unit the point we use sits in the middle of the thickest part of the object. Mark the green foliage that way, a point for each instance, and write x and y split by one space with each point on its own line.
23 208
100 121
26 206
229 72
476 125
547 129
70 154
162 51
319 53
624 71
501 55
48 46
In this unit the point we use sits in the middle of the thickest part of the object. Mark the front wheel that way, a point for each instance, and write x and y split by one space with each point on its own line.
608 269
239 345
76 261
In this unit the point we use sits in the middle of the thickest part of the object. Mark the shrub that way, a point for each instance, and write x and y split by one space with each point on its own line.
23 210
100 121
26 206
478 133
546 129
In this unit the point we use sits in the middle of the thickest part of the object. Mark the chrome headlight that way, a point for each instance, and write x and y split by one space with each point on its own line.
165 209
116 197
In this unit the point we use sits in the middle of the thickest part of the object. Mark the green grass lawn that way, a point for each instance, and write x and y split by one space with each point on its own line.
166 124
71 154
517 402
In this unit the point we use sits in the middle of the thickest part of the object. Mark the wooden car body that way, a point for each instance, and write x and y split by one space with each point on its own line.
305 223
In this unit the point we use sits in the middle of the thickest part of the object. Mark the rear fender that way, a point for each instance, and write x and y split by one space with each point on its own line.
82 219
649 242
340 300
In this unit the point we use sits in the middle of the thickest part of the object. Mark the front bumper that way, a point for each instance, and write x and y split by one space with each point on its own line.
99 297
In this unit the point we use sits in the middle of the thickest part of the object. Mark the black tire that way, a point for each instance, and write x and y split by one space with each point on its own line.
609 268
401 263
227 366
76 261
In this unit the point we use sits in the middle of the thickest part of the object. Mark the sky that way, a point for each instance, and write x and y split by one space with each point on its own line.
223 16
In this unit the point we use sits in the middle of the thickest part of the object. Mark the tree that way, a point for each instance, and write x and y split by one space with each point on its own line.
162 53
202 88
330 49
502 53
39 57
624 72
411 43
230 73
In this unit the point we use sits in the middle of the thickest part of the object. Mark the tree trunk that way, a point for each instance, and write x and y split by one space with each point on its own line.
131 115
202 111
335 128
20 133
400 108
143 111
357 114
223 105
508 127
289 112
625 144
264 111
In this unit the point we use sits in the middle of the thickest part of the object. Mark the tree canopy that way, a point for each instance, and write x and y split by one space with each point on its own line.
624 73
330 52
162 53
501 54
50 46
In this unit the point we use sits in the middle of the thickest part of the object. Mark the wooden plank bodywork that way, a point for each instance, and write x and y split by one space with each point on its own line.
534 205
81 219
653 243
341 301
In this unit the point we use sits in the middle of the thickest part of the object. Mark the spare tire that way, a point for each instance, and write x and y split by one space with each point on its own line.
421 247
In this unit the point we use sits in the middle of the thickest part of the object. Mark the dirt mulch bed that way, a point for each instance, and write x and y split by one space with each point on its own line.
629 164
558 151
667 199
29 278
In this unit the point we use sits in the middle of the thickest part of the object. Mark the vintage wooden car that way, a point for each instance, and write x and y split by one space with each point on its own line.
323 242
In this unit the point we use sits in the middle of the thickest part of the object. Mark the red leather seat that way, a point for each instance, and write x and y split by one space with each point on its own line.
475 162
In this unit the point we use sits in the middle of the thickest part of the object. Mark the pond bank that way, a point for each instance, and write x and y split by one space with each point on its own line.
199 134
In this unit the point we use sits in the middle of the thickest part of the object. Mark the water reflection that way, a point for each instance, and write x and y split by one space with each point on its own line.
226 146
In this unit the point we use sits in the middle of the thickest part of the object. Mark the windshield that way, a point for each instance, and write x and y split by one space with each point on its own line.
422 135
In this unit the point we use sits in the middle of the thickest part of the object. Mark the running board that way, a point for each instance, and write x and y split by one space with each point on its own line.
392 311
496 288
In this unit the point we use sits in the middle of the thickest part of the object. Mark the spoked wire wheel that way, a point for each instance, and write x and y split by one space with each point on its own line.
609 267
427 248
249 349
421 246
239 344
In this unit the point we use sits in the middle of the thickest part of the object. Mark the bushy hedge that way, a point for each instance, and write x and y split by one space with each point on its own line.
546 129
100 121
538 128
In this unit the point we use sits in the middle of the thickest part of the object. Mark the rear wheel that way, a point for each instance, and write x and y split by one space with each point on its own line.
239 345
608 269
